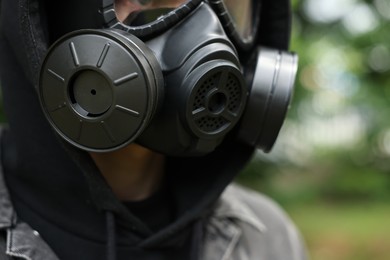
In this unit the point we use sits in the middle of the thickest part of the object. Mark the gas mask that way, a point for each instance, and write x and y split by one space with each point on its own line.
175 84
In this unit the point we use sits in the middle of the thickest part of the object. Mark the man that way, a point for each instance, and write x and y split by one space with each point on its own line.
128 121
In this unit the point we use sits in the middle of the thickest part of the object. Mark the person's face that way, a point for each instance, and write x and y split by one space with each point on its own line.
241 11
124 8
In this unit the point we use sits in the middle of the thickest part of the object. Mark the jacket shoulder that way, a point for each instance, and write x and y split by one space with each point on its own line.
279 237
266 209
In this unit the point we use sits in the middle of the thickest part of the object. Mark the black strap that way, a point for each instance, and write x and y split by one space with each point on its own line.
275 24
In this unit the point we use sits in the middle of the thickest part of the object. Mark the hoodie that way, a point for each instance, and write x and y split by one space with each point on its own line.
58 190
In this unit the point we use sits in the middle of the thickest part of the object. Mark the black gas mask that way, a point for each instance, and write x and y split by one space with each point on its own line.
175 85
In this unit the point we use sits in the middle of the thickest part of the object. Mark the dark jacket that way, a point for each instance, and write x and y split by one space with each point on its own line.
244 225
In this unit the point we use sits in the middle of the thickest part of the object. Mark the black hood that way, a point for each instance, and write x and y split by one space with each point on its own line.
56 188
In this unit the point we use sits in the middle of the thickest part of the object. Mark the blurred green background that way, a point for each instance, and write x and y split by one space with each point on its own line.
330 167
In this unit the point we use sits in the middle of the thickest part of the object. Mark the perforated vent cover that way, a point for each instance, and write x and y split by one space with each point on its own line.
217 102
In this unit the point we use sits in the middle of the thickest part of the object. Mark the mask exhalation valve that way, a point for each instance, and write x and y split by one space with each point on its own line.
217 101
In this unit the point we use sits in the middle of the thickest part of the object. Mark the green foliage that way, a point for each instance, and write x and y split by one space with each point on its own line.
335 144
347 232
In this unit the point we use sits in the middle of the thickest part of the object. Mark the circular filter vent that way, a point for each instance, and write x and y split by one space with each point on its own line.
216 102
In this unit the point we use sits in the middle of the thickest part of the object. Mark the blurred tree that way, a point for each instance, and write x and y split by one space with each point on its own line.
336 140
